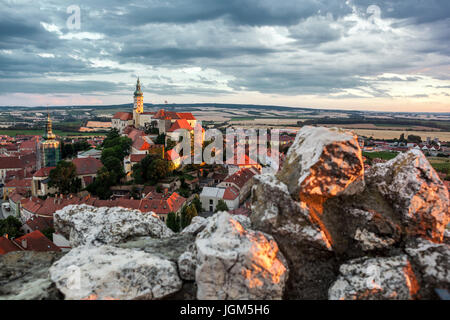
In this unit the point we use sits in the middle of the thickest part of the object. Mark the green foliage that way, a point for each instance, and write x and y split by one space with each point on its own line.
11 226
197 203
161 139
48 232
414 139
150 170
170 144
443 167
134 193
64 178
221 206
385 155
101 186
172 222
114 164
70 150
187 214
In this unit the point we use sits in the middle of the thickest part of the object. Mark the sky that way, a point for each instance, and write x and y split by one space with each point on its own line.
380 55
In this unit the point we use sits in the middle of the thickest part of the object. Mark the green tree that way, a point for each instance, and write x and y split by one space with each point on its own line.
187 214
197 203
64 178
170 144
11 226
48 232
414 139
101 186
161 139
114 164
173 222
221 206
150 170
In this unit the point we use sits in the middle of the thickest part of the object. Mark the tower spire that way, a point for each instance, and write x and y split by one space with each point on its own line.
49 135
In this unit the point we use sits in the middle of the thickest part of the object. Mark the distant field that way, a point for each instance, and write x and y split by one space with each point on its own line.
381 127
391 134
13 133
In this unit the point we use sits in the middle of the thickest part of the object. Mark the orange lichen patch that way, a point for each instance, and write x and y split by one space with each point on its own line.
429 224
237 226
366 294
315 206
95 297
411 280
263 256
338 168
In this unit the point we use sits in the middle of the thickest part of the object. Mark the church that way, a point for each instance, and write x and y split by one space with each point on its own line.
162 121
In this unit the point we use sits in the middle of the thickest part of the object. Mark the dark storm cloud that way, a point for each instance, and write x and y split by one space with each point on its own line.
49 86
176 55
316 53
242 12
18 32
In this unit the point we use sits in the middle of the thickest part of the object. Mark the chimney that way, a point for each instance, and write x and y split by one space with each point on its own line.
24 243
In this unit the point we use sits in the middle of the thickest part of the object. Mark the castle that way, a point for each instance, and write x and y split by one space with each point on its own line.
162 121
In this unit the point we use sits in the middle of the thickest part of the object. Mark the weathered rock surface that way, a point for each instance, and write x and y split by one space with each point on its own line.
235 263
323 210
321 164
375 279
417 194
24 276
83 225
432 262
108 272
197 224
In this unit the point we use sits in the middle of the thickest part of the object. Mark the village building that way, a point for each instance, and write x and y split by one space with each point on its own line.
241 180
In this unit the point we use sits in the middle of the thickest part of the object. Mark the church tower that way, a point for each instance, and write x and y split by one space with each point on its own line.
138 108
49 149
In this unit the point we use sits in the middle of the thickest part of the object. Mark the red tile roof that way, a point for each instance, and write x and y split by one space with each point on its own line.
186 115
19 183
172 155
124 116
7 246
141 144
134 134
162 205
134 158
231 193
43 172
36 241
166 115
87 165
15 197
241 177
39 223
180 124
11 163
29 144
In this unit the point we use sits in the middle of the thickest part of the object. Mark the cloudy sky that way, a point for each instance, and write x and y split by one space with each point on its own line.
356 54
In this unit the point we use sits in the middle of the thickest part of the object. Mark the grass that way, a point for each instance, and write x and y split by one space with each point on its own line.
242 118
385 155
440 164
